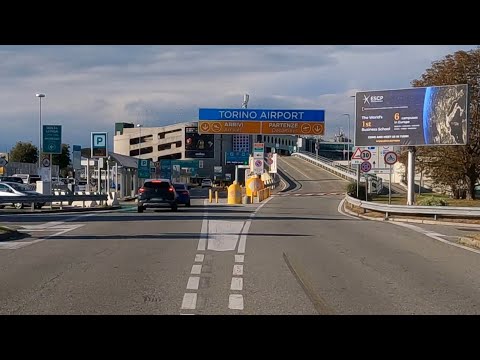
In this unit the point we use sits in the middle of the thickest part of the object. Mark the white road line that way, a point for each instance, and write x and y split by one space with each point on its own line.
237 284
223 234
199 257
235 302
196 269
202 242
340 210
189 301
435 236
237 270
193 282
243 238
239 258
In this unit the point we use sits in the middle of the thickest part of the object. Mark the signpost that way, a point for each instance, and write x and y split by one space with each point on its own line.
52 144
273 165
143 168
390 158
261 121
99 144
258 166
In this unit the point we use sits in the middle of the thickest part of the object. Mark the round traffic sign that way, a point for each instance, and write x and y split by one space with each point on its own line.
46 162
391 158
258 163
365 154
366 166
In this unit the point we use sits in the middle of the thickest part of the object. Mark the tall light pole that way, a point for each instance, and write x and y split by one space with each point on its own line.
348 138
40 96
140 140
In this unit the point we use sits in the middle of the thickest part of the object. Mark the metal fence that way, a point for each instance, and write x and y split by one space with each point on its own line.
27 168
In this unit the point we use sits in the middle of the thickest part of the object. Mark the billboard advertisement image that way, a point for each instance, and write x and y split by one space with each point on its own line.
435 115
198 146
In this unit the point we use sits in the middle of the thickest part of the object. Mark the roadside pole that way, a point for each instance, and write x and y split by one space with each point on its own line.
390 186
411 176
358 181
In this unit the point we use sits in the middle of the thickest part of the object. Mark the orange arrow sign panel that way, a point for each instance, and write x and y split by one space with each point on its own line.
230 127
292 128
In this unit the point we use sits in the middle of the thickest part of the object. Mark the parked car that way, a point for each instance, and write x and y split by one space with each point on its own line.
28 178
183 194
11 179
157 194
14 189
207 183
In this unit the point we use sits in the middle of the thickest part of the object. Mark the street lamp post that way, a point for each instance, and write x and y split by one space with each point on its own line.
40 96
139 153
349 163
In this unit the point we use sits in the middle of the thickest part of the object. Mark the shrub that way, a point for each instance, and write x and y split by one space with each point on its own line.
432 201
352 191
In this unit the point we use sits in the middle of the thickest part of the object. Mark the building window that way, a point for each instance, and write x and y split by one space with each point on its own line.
164 146
178 144
143 150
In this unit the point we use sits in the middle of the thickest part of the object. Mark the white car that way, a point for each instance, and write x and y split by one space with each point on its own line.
207 183
14 190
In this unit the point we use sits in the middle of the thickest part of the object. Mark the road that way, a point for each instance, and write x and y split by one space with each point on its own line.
293 254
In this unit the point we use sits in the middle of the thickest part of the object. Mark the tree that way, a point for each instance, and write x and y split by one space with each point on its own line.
24 152
63 159
455 166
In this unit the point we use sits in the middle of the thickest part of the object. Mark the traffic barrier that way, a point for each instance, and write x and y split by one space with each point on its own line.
209 195
216 196
234 194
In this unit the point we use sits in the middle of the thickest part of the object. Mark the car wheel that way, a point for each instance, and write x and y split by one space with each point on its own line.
18 206
174 207
2 206
140 209
187 204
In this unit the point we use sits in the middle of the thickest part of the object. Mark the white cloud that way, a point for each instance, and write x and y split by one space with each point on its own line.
89 88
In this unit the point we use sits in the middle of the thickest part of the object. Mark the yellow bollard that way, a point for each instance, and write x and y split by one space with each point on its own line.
216 196
210 195
234 194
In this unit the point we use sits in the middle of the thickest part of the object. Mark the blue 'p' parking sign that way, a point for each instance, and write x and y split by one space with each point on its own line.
99 144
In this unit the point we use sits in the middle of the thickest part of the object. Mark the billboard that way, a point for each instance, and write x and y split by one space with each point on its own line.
198 146
435 115
237 158
261 121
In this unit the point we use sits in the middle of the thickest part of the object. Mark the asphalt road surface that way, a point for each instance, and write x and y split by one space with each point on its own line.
292 254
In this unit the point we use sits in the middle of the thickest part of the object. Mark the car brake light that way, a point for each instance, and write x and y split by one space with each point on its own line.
141 190
170 189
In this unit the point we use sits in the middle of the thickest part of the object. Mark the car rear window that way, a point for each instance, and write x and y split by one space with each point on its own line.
180 187
156 185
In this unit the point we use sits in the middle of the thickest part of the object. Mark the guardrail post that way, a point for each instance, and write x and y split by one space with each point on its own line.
435 217
32 206
386 215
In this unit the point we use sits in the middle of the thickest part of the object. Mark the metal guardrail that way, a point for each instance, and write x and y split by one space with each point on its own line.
345 173
417 210
52 198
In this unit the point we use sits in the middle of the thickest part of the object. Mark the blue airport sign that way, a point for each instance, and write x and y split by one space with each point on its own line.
262 115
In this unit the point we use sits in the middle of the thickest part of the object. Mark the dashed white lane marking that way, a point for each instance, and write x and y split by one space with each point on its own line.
196 269
193 282
243 238
237 270
189 301
223 235
235 302
199 257
239 258
237 284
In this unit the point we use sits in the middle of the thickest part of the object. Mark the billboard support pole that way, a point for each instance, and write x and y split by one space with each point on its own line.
411 176
236 173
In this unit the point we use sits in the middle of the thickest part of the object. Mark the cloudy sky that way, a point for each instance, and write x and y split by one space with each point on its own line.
89 88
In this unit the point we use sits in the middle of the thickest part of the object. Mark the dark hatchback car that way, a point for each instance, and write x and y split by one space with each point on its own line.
157 194
14 179
183 194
